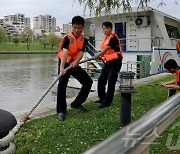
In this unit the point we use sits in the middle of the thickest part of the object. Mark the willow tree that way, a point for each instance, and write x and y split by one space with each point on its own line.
96 6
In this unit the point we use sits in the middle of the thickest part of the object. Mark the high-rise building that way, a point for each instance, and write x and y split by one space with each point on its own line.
15 24
53 24
1 22
44 24
67 28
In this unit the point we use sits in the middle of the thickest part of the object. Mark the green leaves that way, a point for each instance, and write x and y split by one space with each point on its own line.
2 34
98 6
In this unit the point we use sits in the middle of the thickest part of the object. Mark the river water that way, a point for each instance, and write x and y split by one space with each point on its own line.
24 78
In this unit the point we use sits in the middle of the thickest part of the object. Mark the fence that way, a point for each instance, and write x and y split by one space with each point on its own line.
139 44
134 66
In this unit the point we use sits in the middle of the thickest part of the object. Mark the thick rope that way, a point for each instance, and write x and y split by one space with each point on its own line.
26 116
10 150
7 140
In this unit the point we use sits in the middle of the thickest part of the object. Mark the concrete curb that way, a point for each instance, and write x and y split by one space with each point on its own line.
150 78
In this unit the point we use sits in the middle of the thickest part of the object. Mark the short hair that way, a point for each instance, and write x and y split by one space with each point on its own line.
78 20
170 64
107 24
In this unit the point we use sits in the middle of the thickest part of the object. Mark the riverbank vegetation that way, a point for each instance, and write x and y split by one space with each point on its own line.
26 41
80 131
23 47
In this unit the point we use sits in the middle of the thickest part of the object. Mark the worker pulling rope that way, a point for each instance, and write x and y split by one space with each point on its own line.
10 137
26 116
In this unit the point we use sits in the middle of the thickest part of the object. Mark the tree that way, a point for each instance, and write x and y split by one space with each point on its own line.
44 40
2 34
98 5
53 40
26 36
16 40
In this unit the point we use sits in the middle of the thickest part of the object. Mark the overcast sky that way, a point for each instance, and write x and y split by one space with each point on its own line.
64 10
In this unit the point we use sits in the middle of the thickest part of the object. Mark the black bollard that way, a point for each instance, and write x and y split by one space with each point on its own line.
7 123
125 108
126 89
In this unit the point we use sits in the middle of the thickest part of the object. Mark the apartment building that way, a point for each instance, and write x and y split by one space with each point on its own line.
15 24
1 22
67 28
44 24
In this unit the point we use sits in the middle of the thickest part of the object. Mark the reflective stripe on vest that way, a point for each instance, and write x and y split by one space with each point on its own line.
110 54
75 45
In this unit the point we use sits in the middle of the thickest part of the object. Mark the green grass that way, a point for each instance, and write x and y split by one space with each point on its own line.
164 144
23 47
80 131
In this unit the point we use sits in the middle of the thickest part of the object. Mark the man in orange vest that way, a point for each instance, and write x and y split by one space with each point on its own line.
111 53
173 85
71 51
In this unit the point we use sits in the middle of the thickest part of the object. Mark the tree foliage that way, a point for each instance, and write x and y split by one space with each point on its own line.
26 35
2 34
53 40
16 40
96 6
44 40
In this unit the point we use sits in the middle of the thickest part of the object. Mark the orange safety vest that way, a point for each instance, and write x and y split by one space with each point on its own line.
178 76
74 47
110 54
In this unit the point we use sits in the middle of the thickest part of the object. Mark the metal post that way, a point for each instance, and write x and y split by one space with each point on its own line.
126 89
125 108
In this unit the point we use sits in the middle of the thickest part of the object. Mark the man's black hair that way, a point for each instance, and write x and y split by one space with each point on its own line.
107 24
170 64
78 20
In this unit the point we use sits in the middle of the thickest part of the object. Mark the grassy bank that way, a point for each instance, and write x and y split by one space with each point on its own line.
23 47
81 131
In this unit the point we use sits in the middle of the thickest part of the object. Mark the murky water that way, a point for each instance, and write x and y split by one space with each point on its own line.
24 78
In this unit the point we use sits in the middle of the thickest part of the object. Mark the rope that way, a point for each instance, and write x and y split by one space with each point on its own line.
10 150
26 116
10 137
6 140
